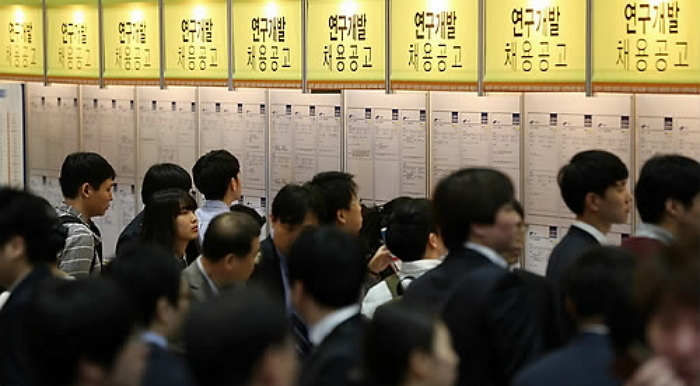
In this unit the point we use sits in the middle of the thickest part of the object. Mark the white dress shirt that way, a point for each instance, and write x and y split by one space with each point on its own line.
655 232
207 212
489 253
593 231
319 331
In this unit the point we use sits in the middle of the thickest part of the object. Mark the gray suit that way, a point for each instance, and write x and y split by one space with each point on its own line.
200 288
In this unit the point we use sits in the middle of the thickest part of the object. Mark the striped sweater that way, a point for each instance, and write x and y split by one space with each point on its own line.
82 245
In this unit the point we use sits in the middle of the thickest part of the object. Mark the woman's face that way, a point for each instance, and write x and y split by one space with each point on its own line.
186 225
674 333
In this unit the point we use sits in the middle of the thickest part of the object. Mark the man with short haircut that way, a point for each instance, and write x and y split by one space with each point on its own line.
342 205
241 338
228 255
326 271
160 300
30 237
598 282
485 306
594 186
86 182
80 333
158 177
217 176
668 200
294 210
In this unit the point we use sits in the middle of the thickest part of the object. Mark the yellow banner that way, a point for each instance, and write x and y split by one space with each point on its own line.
267 43
72 46
434 44
131 38
654 44
535 45
21 41
346 44
196 42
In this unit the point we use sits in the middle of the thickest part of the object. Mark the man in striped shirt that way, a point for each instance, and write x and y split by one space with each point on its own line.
86 183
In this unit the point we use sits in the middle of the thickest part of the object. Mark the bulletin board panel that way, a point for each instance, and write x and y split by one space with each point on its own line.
109 129
471 131
667 124
166 127
237 121
53 132
557 126
386 145
11 135
305 136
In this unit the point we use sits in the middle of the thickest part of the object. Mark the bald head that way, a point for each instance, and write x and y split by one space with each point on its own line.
230 233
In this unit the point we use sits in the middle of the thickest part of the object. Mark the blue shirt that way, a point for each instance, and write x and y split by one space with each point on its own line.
154 339
207 212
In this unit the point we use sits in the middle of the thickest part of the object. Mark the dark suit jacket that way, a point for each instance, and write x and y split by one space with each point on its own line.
493 324
431 289
198 283
544 299
333 362
563 256
585 362
268 272
573 245
12 367
165 369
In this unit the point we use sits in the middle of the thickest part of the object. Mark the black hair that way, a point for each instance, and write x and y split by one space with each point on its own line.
240 208
337 189
32 218
395 332
409 229
329 264
147 273
597 280
164 176
84 167
662 178
227 338
374 218
229 233
591 171
293 202
71 320
466 197
213 172
159 216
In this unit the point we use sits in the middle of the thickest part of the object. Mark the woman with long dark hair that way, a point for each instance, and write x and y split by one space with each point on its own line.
169 221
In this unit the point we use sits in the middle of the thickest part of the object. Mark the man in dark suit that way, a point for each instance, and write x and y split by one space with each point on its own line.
228 256
594 285
668 200
30 237
594 186
326 271
160 299
484 305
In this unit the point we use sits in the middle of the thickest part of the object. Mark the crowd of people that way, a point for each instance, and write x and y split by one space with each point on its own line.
414 292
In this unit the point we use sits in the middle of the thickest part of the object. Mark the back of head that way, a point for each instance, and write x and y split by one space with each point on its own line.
162 177
599 281
230 233
213 172
227 338
72 320
147 273
329 264
395 332
466 197
662 178
374 218
240 208
293 202
591 171
84 167
337 189
32 218
409 228
160 213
